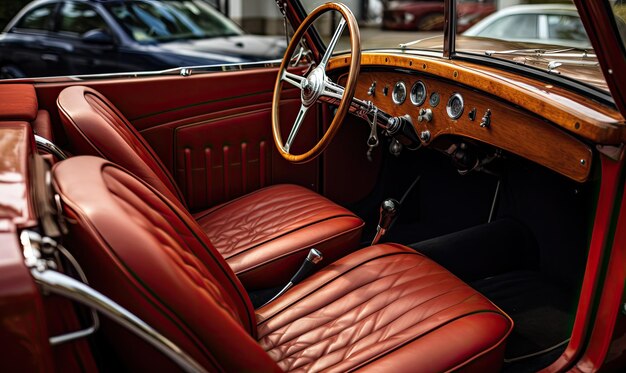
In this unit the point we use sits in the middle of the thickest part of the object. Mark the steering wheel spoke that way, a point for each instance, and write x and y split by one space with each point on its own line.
333 90
333 43
296 127
293 79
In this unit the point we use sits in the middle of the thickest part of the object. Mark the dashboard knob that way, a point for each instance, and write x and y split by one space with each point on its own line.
425 115
425 136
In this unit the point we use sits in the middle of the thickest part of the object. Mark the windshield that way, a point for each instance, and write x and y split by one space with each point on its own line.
158 21
546 35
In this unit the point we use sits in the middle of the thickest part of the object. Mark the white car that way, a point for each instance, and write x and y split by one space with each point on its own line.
542 23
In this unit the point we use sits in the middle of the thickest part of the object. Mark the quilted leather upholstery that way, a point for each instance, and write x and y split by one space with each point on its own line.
363 308
263 235
268 229
384 308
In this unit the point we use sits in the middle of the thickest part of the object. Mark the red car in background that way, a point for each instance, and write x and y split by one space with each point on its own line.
428 15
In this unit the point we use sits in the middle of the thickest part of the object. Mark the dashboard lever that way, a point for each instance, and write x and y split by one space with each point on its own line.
372 140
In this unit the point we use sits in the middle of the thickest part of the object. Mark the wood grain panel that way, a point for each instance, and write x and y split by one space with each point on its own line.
511 129
576 113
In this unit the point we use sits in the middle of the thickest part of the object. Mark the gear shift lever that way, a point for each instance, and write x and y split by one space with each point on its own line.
388 211
313 257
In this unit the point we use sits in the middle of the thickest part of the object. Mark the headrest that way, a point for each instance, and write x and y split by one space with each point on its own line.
18 102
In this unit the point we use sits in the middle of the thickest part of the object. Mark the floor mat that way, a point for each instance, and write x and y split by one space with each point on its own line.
542 311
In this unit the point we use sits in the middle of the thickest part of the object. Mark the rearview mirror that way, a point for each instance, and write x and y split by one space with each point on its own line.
97 36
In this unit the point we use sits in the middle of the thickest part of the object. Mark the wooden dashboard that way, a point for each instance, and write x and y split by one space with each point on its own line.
511 127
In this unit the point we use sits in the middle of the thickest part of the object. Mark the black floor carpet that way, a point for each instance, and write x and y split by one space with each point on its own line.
543 312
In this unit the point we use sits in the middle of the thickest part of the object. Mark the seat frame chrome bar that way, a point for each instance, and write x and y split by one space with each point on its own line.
49 147
58 283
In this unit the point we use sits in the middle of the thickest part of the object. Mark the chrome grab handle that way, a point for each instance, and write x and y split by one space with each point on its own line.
51 281
49 147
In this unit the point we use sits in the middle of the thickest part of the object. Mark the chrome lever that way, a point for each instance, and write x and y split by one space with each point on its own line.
313 257
372 140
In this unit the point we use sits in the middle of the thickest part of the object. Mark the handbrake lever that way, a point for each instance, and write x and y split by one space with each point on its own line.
313 257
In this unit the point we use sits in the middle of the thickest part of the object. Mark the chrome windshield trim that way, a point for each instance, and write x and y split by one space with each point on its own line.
181 71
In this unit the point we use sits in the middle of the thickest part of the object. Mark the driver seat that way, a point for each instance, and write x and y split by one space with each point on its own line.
264 235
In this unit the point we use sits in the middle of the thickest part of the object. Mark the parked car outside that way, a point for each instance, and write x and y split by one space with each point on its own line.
538 23
89 37
429 16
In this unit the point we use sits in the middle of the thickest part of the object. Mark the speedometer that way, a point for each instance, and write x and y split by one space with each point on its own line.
455 106
398 95
418 93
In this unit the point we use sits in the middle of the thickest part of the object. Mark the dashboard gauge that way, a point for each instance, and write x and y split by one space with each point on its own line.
398 95
418 93
455 106
434 99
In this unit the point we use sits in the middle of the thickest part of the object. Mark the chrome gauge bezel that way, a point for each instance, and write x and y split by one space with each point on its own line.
434 99
413 96
393 93
449 106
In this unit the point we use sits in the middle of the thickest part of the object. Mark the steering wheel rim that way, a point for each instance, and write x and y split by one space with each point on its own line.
316 86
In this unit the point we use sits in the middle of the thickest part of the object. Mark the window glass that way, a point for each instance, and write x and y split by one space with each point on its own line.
79 18
619 12
518 26
566 27
38 19
147 21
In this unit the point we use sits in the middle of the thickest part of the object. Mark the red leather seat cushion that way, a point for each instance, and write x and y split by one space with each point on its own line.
42 125
386 306
18 102
266 234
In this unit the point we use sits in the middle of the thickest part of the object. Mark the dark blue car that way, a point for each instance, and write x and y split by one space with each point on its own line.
71 37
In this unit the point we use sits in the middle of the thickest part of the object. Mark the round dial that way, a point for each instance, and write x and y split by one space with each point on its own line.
455 106
398 95
418 93
434 99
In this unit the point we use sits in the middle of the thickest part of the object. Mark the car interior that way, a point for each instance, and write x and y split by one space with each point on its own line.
176 204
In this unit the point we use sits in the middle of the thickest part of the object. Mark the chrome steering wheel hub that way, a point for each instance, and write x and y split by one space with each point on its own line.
312 86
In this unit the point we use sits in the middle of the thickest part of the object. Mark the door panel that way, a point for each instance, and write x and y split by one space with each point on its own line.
225 157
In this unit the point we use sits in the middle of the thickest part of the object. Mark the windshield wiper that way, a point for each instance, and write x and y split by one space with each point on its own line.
547 52
404 45
553 65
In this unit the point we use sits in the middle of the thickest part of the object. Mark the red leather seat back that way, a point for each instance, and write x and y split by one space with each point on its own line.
94 126
150 256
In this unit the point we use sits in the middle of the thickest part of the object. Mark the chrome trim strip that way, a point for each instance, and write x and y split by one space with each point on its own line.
63 285
49 147
182 71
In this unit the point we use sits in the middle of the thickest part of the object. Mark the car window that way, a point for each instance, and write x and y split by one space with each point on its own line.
171 20
566 27
39 18
79 18
518 26
619 12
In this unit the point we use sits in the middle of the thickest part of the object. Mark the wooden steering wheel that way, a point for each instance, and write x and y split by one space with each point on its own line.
316 86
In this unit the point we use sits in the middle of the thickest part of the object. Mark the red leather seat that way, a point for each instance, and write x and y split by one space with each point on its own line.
265 232
384 307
